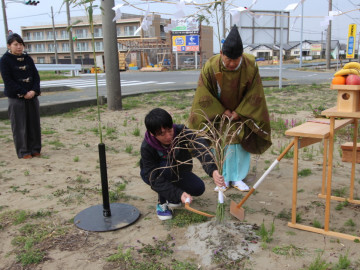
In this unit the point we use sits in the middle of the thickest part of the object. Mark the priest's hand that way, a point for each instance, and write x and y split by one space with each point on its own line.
228 113
218 179
235 116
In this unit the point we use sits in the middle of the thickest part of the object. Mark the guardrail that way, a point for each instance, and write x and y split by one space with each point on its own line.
53 67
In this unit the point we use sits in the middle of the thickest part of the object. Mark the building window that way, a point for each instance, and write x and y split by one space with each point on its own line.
64 34
51 48
50 35
28 47
296 52
81 33
130 30
39 47
118 31
38 35
97 32
121 47
65 47
81 46
40 60
99 46
27 36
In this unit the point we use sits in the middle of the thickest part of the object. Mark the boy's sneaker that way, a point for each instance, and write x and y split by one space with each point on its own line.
163 212
173 205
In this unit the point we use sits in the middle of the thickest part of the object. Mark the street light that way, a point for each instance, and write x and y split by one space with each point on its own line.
25 2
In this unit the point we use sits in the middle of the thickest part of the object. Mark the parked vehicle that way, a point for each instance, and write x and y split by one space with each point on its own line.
189 61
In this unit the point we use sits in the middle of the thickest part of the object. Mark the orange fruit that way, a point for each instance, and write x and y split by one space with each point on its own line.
338 80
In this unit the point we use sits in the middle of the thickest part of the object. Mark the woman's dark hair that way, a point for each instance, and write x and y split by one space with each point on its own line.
156 119
15 37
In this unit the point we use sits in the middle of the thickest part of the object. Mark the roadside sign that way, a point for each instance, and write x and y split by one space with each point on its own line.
350 48
189 43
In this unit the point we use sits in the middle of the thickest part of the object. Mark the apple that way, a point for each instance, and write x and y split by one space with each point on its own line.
352 80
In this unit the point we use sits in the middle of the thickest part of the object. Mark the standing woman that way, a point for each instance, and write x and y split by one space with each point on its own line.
22 86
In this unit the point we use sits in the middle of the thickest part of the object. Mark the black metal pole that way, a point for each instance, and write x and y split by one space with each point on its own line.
104 180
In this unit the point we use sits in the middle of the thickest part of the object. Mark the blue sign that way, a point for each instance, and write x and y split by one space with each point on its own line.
183 48
350 45
192 40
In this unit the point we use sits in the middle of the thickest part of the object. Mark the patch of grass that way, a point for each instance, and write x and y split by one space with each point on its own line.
136 132
56 144
48 131
350 223
316 224
304 172
318 264
154 256
76 159
343 263
339 192
17 189
26 173
341 205
290 250
284 214
266 234
183 218
128 148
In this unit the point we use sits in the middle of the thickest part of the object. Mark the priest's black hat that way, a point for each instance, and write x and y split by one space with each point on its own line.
233 47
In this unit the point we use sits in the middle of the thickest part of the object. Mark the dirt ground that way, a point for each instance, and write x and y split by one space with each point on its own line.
53 189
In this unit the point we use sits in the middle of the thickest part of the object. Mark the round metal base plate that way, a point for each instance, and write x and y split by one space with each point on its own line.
92 218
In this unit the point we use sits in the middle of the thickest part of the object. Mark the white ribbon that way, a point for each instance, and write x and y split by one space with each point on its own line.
180 12
221 195
117 12
147 21
235 13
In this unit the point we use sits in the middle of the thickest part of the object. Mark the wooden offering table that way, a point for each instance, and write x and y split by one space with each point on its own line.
311 132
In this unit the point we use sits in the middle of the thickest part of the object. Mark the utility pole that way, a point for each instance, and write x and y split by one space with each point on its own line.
113 85
54 33
328 40
281 49
301 34
223 18
71 43
5 20
358 48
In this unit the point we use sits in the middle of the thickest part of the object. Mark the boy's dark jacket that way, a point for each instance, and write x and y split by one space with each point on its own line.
150 162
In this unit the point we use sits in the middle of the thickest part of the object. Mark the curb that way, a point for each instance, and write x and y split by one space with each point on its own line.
64 107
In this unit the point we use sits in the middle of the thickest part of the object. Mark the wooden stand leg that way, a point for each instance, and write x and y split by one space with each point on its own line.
329 176
353 159
295 179
326 142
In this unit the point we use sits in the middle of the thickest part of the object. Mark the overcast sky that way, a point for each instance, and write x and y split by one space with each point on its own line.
19 14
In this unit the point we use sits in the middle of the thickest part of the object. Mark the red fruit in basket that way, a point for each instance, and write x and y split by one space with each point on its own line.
353 79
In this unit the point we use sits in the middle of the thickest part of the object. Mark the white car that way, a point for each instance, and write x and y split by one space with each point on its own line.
189 61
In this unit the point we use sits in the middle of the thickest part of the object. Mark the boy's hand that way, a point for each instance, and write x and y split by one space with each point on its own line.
184 196
218 179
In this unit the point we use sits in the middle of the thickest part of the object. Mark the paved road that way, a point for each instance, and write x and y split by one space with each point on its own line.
141 82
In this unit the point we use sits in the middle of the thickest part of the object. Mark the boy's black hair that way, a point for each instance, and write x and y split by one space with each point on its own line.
14 37
156 119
